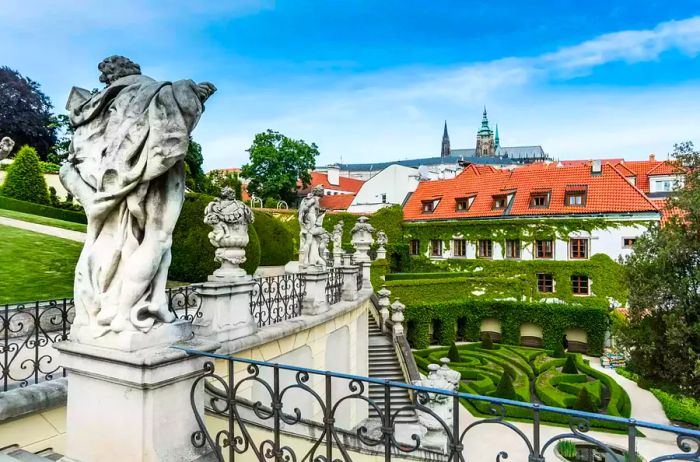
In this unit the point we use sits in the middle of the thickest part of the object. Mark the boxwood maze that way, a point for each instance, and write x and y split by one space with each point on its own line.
536 377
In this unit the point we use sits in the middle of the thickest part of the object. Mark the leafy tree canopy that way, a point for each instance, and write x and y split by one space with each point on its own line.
663 274
277 163
25 112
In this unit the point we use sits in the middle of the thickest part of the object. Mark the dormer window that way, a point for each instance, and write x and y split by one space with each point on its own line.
575 196
539 200
462 204
430 205
499 202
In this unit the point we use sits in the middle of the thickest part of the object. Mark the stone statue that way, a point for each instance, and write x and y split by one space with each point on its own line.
337 238
312 233
382 240
229 219
126 167
6 146
441 405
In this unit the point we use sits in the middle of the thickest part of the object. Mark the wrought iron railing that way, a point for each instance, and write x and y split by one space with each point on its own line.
334 286
277 298
27 333
278 409
185 301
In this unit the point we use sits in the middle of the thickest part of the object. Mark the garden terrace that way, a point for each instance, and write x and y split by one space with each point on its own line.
537 377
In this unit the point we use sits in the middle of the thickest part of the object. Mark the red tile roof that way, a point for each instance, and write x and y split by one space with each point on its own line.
608 192
345 184
337 202
643 169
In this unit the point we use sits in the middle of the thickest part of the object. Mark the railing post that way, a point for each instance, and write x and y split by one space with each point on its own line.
536 456
6 347
328 419
349 283
314 301
631 441
387 429
225 311
456 444
231 416
277 410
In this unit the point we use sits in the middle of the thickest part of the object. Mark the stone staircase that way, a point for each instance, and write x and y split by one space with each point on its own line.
384 364
15 454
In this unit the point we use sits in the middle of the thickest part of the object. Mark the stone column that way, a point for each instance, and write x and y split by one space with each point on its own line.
314 301
349 282
132 405
384 304
397 317
366 267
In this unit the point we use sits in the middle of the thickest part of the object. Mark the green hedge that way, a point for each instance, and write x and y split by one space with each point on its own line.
276 242
554 319
9 203
193 255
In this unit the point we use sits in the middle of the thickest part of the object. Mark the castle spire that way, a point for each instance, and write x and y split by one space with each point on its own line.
497 140
445 151
485 129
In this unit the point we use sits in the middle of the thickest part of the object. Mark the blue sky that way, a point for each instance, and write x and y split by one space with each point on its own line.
374 80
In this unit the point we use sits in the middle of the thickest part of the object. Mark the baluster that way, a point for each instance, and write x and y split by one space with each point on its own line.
387 430
36 342
631 441
6 348
456 444
537 456
277 409
231 422
328 419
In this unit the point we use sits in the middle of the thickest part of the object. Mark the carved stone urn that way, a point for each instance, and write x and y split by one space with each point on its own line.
362 239
229 219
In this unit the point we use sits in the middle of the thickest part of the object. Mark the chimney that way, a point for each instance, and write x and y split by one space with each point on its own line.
333 175
596 167
652 157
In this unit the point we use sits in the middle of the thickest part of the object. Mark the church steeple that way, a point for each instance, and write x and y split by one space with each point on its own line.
485 129
445 152
485 143
497 140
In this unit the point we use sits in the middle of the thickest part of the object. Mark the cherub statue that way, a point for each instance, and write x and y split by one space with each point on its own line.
6 146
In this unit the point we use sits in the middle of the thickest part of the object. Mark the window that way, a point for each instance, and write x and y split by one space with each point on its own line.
539 200
545 283
463 203
383 198
512 248
485 248
436 247
499 202
628 242
579 285
575 199
544 249
578 248
460 246
415 247
428 206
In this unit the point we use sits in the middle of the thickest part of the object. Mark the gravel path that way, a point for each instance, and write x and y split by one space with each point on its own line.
44 229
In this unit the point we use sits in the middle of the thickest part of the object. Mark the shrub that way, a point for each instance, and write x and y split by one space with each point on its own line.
559 351
570 365
679 408
584 402
193 255
505 388
24 180
276 242
453 354
486 342
42 210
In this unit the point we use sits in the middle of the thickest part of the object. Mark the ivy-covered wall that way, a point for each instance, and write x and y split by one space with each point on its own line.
464 317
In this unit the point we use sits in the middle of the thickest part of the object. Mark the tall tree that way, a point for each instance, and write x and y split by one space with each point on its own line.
663 274
196 178
277 164
25 112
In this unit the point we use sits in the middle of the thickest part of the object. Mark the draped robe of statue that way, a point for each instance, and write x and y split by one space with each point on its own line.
126 169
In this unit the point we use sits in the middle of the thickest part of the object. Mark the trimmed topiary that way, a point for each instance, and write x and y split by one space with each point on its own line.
584 401
559 352
276 242
24 180
453 354
570 365
193 255
505 388
486 342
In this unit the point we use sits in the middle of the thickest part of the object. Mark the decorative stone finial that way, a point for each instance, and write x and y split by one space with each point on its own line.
362 239
229 219
397 317
384 304
382 240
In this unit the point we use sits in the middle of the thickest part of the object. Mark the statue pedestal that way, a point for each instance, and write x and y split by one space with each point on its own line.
134 405
381 253
161 335
349 292
314 301
337 258
225 310
366 274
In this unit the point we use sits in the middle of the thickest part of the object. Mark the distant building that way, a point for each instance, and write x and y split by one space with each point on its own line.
339 191
391 186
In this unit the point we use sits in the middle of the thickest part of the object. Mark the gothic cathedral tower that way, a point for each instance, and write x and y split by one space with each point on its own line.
445 152
485 143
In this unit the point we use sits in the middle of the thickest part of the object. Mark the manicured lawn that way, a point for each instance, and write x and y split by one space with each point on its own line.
530 369
35 266
43 220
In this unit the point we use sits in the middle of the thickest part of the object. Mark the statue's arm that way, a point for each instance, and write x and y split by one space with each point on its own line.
74 184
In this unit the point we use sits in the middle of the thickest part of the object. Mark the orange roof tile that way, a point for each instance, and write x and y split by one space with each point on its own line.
345 184
608 192
643 169
337 202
